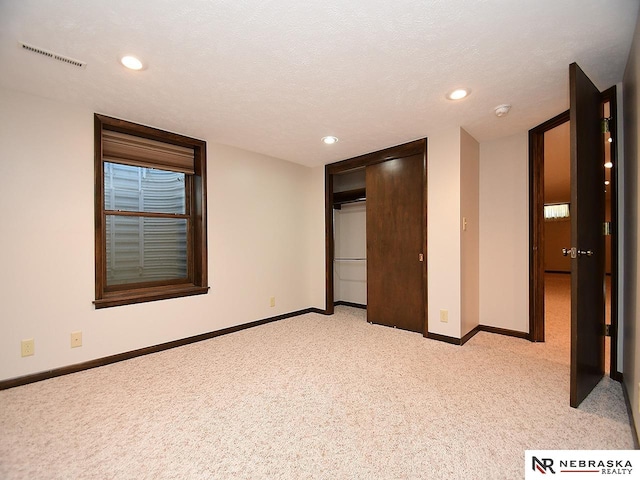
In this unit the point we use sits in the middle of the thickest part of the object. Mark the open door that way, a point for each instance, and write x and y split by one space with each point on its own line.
587 240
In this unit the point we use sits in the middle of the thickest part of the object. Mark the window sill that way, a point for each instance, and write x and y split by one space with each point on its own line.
114 299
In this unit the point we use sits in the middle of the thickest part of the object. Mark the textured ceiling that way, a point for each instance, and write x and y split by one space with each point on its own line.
275 76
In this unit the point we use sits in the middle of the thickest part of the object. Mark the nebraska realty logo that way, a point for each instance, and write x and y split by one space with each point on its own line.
581 464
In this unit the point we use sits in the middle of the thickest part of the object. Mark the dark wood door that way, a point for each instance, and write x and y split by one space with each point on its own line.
587 240
396 242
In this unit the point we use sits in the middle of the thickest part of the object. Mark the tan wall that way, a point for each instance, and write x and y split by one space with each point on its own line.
443 231
504 233
470 234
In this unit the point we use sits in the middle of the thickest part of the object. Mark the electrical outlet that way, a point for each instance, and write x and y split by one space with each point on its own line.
272 302
76 339
444 316
27 347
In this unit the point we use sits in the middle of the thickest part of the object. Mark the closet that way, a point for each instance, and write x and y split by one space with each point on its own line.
376 235
350 239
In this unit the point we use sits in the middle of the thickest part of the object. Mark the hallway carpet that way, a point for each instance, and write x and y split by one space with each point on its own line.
311 397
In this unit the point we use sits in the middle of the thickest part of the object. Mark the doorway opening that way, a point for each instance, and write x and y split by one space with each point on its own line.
550 271
557 236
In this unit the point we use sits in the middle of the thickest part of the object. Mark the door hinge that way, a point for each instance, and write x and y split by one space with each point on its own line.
604 124
607 330
606 228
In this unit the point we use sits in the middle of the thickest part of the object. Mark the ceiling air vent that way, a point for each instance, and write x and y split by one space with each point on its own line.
54 56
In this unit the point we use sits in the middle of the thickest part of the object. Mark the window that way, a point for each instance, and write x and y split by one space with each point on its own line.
556 211
150 214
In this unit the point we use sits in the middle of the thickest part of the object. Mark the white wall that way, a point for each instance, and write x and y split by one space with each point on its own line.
265 229
504 233
470 234
631 285
350 232
443 231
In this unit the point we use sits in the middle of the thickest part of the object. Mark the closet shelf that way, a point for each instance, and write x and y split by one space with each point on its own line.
350 196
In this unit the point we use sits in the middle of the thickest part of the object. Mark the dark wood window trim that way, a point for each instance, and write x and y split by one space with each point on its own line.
196 185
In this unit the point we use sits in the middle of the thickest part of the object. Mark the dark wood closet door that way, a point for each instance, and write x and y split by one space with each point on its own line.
395 243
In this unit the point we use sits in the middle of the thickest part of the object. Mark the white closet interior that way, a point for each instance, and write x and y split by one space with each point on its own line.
350 240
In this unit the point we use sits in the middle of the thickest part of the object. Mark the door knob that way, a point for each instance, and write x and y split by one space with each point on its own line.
575 253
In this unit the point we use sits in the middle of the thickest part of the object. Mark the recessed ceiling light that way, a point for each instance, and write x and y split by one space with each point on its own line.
131 62
458 94
608 165
329 140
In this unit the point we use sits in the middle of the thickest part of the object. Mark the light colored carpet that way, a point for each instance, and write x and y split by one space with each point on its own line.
310 397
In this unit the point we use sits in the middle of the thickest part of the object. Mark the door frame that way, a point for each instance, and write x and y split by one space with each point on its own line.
610 95
401 151
536 225
536 228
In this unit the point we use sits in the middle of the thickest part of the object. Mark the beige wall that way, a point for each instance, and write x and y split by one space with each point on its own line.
313 226
265 237
453 254
504 233
443 231
470 231
631 285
